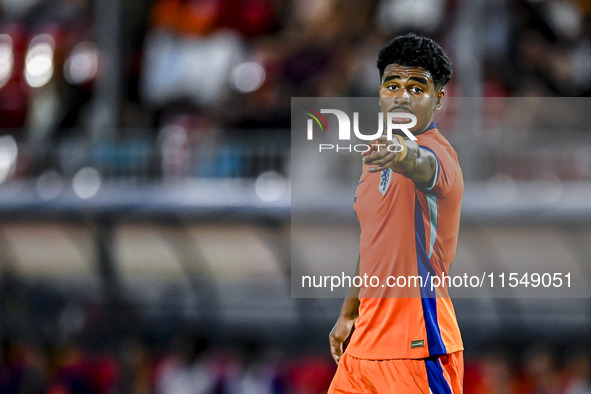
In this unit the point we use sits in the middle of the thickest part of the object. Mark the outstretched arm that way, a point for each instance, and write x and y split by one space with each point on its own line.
403 156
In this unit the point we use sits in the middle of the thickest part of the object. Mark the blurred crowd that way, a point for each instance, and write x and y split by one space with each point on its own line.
52 343
58 342
198 75
191 365
539 368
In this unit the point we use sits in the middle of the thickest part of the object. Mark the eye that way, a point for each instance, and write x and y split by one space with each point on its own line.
416 89
391 87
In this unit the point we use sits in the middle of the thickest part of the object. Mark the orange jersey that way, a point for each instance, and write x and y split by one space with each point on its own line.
408 230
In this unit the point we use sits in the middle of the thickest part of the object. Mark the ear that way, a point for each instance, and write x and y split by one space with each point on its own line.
439 97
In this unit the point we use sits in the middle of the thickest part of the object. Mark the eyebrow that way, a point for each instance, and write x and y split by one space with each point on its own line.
416 79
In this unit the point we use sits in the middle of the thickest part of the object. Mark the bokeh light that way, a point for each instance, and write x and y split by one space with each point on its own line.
50 185
6 59
270 186
248 77
86 182
39 61
82 65
8 155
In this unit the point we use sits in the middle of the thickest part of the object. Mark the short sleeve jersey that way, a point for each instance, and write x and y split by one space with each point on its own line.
408 230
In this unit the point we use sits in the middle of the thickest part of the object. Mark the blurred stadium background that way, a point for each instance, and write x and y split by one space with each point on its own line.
144 187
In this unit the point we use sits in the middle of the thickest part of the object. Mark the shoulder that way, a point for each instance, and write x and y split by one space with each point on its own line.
436 143
433 136
449 173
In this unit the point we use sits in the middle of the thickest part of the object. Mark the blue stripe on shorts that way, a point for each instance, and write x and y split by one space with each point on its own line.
437 382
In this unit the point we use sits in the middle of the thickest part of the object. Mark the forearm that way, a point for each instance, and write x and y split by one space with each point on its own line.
350 308
418 164
412 161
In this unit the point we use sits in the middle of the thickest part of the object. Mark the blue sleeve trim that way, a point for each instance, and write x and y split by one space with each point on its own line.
437 169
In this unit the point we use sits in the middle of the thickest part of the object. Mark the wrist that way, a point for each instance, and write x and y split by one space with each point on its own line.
404 148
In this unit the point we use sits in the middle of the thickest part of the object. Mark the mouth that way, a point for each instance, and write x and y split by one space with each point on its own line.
401 119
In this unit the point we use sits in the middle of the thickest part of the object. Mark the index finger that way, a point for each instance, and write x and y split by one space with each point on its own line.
373 145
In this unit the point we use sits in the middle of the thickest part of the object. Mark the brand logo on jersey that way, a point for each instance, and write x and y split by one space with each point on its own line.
419 343
385 179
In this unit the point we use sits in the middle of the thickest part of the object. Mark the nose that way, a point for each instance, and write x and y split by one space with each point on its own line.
401 93
402 98
404 93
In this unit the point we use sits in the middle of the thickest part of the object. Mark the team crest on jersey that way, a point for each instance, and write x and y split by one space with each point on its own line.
385 179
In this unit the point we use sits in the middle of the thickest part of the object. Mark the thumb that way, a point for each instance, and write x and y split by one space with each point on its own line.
336 349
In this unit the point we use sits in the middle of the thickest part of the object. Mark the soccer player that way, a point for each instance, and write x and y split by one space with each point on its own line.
408 205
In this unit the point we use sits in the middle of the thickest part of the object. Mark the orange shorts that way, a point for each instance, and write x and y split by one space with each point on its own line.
441 374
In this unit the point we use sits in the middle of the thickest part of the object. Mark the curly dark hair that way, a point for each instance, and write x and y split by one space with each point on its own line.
412 50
